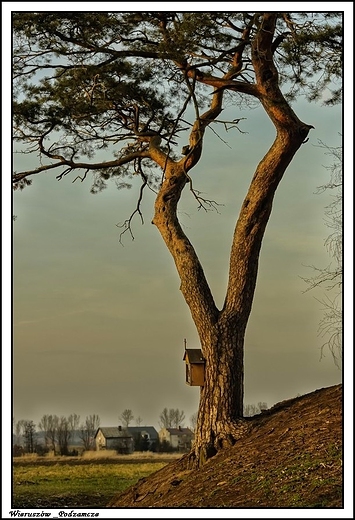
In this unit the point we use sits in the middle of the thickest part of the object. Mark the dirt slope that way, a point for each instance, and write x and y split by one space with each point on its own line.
292 457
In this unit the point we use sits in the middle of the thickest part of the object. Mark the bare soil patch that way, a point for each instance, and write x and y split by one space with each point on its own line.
291 457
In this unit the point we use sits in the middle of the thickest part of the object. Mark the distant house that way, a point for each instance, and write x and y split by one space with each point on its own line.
179 438
145 437
114 438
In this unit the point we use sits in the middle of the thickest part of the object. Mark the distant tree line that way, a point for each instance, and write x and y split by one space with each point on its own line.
173 418
169 418
59 432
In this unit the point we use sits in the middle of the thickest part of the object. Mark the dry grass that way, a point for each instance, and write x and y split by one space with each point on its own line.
141 455
28 456
99 455
104 454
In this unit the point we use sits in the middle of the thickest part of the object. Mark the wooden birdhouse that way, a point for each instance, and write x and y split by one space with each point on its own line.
195 367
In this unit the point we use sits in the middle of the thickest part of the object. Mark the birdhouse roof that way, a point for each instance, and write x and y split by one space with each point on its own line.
193 355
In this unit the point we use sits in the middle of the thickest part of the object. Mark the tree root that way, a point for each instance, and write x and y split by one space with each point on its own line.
227 435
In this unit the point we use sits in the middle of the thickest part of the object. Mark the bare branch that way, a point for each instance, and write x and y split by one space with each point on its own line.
331 277
81 178
331 327
63 174
127 224
17 177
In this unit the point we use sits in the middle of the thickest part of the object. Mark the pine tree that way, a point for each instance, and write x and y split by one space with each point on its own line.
123 82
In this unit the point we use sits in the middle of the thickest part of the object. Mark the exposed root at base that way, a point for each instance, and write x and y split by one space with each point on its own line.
226 437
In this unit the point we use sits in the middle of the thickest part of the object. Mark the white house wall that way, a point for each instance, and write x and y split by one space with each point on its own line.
100 441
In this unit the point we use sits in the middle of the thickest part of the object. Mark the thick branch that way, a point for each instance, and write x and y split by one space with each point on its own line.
194 285
257 205
221 84
198 131
81 165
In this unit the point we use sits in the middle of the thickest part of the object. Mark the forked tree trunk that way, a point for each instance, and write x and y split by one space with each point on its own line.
221 332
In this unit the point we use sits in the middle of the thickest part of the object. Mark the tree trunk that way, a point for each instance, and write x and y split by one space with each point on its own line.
221 332
219 421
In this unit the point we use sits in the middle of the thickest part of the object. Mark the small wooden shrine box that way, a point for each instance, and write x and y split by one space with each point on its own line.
195 367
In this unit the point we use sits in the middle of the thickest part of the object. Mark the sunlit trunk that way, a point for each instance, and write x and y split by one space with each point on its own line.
220 417
219 420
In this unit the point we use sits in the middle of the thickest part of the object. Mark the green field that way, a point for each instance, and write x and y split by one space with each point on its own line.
75 482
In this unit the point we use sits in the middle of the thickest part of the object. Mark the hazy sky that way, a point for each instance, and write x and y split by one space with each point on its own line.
99 327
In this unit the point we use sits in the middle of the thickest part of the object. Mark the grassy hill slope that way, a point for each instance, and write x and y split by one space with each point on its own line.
291 457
